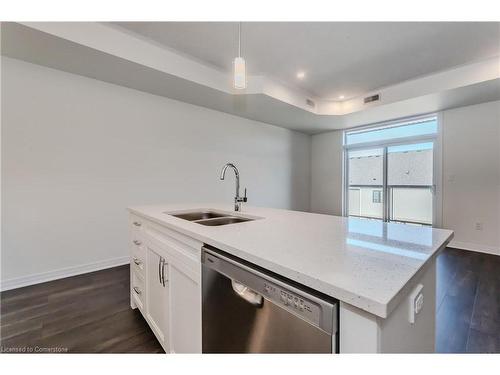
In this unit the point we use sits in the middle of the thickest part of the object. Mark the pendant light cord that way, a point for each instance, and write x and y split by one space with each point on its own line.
239 39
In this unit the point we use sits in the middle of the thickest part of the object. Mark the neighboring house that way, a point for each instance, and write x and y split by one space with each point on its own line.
409 184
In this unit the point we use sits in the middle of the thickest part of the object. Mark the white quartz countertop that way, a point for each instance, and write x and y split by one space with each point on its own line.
365 263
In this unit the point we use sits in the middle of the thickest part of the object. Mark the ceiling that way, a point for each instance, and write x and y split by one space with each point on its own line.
108 53
338 58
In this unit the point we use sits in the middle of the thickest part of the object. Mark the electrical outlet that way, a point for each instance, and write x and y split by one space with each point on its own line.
479 226
415 303
419 303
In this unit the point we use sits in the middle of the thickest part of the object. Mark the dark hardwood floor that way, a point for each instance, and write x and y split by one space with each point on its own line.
80 314
91 312
468 302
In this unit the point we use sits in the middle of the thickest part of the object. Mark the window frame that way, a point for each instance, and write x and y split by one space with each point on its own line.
378 195
435 138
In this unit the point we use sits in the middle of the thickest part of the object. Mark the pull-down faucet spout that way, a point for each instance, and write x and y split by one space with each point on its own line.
237 198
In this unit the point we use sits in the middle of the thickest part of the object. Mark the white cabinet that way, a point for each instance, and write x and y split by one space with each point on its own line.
137 292
137 264
166 270
185 311
157 295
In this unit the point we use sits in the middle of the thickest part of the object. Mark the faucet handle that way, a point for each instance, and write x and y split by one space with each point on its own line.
245 197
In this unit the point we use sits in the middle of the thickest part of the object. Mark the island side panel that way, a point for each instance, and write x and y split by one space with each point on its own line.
358 330
362 332
398 335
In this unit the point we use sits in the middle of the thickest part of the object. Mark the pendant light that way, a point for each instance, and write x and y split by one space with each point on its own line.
240 76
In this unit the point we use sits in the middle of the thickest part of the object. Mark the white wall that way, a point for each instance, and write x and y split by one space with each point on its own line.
471 174
76 152
326 173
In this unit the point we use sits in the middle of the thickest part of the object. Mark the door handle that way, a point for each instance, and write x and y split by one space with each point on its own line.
137 242
163 264
159 270
247 294
137 290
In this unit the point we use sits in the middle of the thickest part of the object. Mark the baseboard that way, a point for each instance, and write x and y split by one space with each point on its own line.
61 273
475 247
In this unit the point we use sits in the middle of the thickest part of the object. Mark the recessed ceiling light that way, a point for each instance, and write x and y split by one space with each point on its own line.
301 75
341 97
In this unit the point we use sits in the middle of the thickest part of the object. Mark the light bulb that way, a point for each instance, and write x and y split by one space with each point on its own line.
240 76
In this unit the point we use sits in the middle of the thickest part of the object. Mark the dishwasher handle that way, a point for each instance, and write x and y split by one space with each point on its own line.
247 294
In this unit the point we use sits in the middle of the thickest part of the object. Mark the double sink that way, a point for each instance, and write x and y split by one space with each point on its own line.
210 217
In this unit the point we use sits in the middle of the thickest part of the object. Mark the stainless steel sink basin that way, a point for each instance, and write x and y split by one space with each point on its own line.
199 215
223 221
210 217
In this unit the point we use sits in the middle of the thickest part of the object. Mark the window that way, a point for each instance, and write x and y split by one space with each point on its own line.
365 175
377 196
389 171
409 129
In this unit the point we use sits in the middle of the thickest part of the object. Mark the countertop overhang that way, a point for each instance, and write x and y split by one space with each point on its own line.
365 263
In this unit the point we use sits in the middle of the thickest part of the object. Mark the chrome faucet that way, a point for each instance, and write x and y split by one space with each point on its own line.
237 198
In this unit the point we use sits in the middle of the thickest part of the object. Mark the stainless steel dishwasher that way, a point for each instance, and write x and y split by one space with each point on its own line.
249 310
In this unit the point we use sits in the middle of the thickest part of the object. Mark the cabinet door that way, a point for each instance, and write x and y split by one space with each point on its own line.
157 296
185 309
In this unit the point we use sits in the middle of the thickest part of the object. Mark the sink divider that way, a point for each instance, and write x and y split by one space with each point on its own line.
215 219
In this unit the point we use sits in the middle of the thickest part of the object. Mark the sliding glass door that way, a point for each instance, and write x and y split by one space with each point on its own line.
389 172
410 183
366 183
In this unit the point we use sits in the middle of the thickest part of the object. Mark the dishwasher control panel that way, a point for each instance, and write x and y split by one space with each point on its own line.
259 285
292 302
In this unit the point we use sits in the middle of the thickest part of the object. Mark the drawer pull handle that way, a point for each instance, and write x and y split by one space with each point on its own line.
137 242
137 224
137 290
137 261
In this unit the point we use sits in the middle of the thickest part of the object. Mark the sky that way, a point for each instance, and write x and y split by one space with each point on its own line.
388 133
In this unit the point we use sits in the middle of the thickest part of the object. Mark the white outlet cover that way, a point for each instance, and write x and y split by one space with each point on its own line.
419 303
415 302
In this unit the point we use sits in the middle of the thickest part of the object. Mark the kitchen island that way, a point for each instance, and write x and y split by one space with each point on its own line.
382 274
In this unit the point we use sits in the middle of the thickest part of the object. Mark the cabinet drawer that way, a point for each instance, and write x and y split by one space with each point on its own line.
136 222
138 290
137 253
137 245
136 239
137 263
136 228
